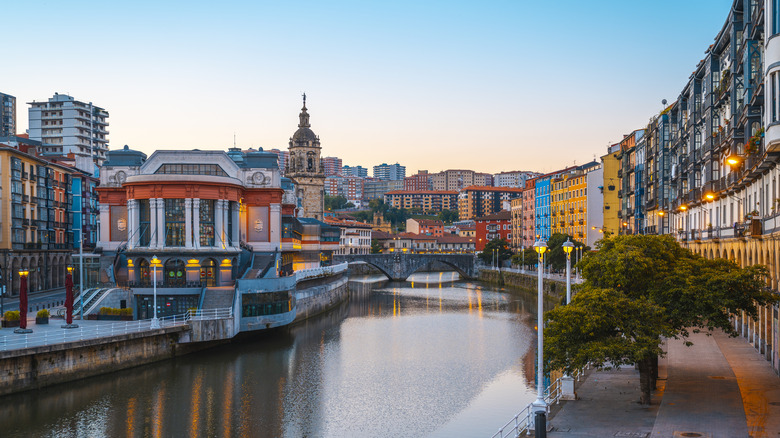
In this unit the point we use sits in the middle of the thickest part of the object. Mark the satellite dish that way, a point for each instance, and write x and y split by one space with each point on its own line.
663 102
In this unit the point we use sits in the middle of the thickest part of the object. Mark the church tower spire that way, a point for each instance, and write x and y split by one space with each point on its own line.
304 167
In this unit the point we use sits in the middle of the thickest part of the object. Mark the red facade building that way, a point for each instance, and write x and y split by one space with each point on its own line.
498 225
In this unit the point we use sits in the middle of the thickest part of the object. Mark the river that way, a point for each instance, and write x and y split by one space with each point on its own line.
432 356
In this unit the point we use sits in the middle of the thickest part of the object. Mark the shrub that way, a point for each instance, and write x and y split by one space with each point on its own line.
43 313
105 311
12 315
126 312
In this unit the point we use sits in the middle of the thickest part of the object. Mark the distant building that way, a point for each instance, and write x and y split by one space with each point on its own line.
457 179
425 226
376 188
355 236
493 226
515 179
332 165
349 187
425 200
358 171
65 125
7 115
390 172
282 158
419 181
476 201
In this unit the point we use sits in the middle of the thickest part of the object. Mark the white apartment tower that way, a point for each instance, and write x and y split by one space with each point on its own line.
65 125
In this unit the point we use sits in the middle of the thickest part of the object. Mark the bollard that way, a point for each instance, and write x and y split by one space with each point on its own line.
540 425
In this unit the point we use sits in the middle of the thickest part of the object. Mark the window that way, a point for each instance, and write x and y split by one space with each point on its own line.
174 222
206 222
143 223
191 169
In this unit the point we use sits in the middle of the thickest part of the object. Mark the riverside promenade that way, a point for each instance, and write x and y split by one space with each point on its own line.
719 387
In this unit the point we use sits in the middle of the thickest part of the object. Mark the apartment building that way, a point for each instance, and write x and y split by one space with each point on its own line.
516 210
332 165
65 125
390 172
432 201
419 181
36 232
529 214
515 178
705 169
476 201
7 115
493 226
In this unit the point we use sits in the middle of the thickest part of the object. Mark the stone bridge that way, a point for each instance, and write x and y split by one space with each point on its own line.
399 266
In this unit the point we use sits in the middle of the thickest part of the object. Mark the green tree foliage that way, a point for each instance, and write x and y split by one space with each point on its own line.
448 216
639 271
376 247
504 253
556 256
337 203
526 258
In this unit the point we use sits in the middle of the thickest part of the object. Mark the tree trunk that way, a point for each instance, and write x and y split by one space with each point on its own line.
655 373
645 379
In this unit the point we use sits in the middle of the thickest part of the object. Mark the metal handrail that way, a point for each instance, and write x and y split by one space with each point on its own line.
521 423
17 341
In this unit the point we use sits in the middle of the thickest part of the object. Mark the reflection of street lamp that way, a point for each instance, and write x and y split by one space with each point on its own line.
155 321
540 407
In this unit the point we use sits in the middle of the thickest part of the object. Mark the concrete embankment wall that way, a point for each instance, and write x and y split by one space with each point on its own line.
317 296
37 367
524 281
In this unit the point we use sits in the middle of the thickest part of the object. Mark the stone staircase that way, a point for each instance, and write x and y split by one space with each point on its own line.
218 297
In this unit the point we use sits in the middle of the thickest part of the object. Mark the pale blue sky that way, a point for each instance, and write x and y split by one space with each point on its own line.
489 86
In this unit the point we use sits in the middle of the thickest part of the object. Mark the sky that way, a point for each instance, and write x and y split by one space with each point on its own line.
490 86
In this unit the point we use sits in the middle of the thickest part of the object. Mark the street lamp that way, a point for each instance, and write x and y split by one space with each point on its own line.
155 321
69 300
539 406
23 273
567 247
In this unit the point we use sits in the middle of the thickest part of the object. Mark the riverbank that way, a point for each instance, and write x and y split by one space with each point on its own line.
552 288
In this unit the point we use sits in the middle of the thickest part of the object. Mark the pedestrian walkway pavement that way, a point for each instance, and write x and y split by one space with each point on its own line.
719 387
53 333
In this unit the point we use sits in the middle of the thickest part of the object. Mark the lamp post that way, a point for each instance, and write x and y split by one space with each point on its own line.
567 247
69 300
539 406
23 302
155 322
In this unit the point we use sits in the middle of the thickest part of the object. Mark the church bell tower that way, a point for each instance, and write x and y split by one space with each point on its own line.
304 167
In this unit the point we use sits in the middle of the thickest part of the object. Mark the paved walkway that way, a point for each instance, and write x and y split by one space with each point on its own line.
719 387
53 333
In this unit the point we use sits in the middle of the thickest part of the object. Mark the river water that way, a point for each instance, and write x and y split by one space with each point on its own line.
428 357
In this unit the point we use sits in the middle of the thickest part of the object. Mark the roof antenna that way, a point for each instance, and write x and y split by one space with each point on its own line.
234 138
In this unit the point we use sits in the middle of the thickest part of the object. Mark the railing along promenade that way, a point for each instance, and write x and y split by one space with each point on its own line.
524 420
105 330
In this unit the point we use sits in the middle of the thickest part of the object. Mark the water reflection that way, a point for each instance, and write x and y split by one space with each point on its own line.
420 358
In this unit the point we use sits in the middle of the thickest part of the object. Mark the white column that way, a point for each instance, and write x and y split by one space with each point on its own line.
225 222
275 233
219 236
153 223
105 223
188 223
196 222
160 223
132 223
236 220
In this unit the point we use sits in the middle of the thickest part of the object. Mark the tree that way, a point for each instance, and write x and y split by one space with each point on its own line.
605 326
527 257
556 255
692 293
448 216
376 247
337 203
504 253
